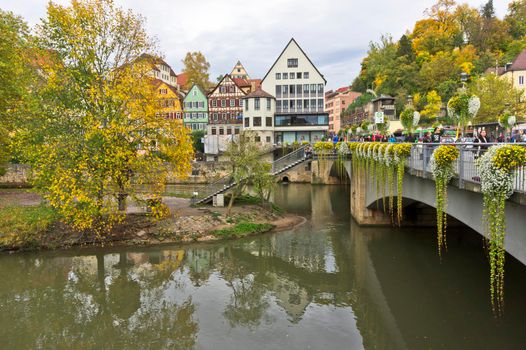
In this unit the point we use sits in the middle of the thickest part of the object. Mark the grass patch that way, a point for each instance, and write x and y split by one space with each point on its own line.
23 226
242 229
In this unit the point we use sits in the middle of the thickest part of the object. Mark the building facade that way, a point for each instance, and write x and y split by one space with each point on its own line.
239 72
336 102
515 72
258 116
160 70
196 109
170 100
299 89
225 115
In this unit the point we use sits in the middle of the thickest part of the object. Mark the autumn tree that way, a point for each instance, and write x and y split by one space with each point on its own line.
15 73
196 67
97 138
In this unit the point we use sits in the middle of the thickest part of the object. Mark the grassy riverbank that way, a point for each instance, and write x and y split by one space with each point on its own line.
32 227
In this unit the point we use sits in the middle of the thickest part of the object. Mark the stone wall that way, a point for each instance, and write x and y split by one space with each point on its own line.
17 175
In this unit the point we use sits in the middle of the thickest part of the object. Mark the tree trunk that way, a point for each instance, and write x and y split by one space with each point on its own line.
121 200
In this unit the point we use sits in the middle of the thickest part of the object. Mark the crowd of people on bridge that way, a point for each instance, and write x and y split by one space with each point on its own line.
438 135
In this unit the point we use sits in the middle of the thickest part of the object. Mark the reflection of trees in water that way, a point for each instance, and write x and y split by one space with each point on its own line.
80 303
248 302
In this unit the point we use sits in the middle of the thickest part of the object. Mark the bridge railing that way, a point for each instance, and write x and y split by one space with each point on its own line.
288 159
466 169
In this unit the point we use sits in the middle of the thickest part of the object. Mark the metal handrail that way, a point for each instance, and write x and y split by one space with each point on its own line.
227 181
465 167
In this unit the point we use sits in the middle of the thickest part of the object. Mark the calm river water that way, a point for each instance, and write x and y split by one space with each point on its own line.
326 285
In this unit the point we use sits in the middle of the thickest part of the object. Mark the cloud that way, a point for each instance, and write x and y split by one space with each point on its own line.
335 34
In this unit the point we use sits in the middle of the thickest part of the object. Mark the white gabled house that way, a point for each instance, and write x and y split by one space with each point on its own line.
299 89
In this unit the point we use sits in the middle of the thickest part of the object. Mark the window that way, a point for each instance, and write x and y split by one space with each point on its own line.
163 91
298 75
298 90
292 90
214 131
320 104
215 116
222 89
320 89
221 131
194 115
305 75
278 105
214 103
285 75
246 105
236 130
521 80
240 103
292 62
194 92
257 121
223 116
306 89
228 131
196 104
278 76
247 122
292 75
285 105
268 139
292 105
285 90
269 101
257 139
278 90
232 103
256 103
305 104
268 121
223 103
231 88
312 88
313 104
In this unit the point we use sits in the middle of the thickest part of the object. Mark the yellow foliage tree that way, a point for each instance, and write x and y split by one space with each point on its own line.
434 103
98 138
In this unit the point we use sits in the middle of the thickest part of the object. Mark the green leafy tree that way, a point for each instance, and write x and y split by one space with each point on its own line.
15 73
197 143
495 95
97 136
516 18
196 66
245 153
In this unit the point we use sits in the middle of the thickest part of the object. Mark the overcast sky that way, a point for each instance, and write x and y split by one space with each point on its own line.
334 33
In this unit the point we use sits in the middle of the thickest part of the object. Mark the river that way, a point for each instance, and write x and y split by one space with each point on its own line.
328 284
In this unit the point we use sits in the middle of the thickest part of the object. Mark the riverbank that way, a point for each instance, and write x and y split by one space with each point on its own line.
34 227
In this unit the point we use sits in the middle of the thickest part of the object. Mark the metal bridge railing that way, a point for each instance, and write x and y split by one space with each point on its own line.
465 166
289 159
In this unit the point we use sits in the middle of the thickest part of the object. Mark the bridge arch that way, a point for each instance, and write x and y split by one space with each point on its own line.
465 206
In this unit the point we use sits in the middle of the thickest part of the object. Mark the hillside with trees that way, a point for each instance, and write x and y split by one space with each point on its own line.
452 39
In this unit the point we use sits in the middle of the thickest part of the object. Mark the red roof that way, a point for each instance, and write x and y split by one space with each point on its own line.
259 93
343 89
520 62
241 82
182 79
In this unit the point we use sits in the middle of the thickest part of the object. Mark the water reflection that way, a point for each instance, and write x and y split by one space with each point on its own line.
328 284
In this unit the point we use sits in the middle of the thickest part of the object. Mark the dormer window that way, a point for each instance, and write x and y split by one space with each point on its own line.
292 62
